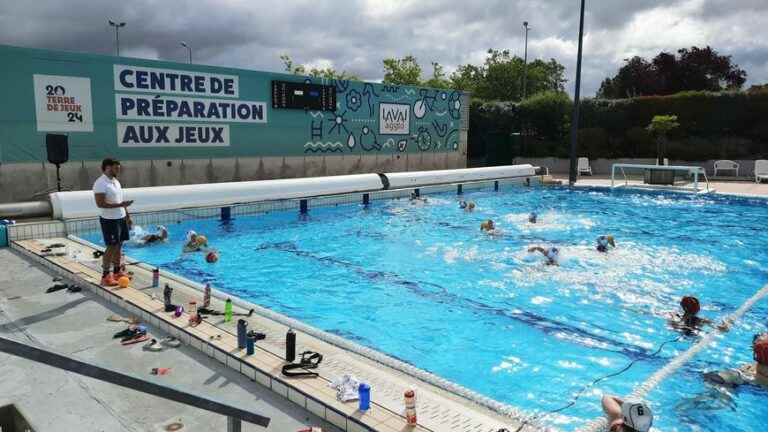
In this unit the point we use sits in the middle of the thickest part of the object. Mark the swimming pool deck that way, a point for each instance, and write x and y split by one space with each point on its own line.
438 409
75 324
741 188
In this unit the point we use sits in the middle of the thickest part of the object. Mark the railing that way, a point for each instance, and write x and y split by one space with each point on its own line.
235 416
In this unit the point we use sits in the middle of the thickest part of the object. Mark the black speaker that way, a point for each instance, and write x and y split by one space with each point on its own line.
57 146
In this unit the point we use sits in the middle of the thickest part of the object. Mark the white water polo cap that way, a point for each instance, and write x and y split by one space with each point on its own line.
637 415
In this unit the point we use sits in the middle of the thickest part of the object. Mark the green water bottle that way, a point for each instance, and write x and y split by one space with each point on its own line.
228 310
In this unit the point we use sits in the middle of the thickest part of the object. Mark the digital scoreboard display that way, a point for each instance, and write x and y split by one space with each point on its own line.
305 96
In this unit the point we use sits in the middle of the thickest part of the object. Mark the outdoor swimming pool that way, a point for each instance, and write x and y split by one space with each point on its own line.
423 284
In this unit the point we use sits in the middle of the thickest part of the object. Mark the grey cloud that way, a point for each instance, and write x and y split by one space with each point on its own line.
254 34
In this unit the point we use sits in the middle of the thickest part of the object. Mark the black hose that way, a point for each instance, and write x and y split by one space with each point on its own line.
602 378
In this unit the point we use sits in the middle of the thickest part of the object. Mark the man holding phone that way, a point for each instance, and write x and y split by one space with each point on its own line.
115 220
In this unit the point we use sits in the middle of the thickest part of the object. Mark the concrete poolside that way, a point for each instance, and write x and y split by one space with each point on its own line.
439 410
75 323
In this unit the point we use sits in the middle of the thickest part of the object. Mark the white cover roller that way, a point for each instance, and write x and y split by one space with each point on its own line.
425 178
81 204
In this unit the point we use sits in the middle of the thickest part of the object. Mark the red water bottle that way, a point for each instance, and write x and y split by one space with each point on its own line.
410 407
155 277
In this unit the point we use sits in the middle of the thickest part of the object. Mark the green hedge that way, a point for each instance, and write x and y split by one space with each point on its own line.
732 125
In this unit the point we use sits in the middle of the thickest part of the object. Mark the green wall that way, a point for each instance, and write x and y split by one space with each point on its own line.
434 116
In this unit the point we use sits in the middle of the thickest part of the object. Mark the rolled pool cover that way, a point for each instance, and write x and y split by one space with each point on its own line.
81 204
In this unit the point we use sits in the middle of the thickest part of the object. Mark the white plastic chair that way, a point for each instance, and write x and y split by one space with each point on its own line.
728 165
583 166
761 170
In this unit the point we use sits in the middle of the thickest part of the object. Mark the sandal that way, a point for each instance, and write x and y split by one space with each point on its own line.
171 341
152 345
217 337
139 337
309 360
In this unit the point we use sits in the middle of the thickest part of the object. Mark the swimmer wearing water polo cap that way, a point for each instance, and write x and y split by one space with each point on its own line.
550 253
470 206
533 218
689 321
604 241
195 242
751 373
627 416
160 235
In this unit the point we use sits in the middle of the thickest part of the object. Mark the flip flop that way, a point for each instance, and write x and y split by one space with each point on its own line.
118 318
217 337
141 337
57 287
171 341
152 345
160 371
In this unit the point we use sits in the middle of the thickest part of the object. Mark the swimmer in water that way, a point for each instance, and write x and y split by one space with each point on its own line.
689 321
604 241
195 242
533 218
160 236
463 205
470 206
755 374
627 416
489 227
417 199
551 253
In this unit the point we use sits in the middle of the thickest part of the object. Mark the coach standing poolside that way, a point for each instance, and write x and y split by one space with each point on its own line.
115 220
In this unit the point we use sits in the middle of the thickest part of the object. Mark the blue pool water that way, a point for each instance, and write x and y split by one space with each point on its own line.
423 284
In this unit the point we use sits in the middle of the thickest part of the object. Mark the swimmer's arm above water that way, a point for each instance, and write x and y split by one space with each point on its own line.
537 249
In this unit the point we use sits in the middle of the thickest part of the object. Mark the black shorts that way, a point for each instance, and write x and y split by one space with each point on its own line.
115 231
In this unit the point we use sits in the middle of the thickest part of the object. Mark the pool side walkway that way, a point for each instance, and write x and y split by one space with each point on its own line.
438 409
75 324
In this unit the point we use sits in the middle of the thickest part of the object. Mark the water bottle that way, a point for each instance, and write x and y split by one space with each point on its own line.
290 346
364 393
242 331
410 407
155 277
167 292
250 344
207 296
228 310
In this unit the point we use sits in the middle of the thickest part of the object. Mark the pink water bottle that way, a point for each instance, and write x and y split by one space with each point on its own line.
410 407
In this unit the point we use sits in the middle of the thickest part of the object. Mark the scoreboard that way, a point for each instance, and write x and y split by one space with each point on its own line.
305 96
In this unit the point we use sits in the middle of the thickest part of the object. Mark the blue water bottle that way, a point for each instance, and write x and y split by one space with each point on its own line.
364 391
250 343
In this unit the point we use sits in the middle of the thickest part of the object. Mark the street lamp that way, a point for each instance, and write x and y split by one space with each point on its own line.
189 49
575 117
525 60
117 37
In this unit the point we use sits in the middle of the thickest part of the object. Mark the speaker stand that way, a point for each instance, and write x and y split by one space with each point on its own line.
58 177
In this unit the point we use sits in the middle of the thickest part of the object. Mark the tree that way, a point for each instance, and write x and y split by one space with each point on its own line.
501 75
691 69
328 73
438 79
404 71
660 126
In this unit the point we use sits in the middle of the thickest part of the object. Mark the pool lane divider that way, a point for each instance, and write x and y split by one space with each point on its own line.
514 414
640 392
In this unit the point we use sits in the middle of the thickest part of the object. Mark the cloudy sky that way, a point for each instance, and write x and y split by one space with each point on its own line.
354 35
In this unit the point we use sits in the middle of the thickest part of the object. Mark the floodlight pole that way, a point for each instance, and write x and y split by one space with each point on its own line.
575 117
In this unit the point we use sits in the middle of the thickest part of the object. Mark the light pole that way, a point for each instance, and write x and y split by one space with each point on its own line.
117 36
525 60
189 50
575 117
